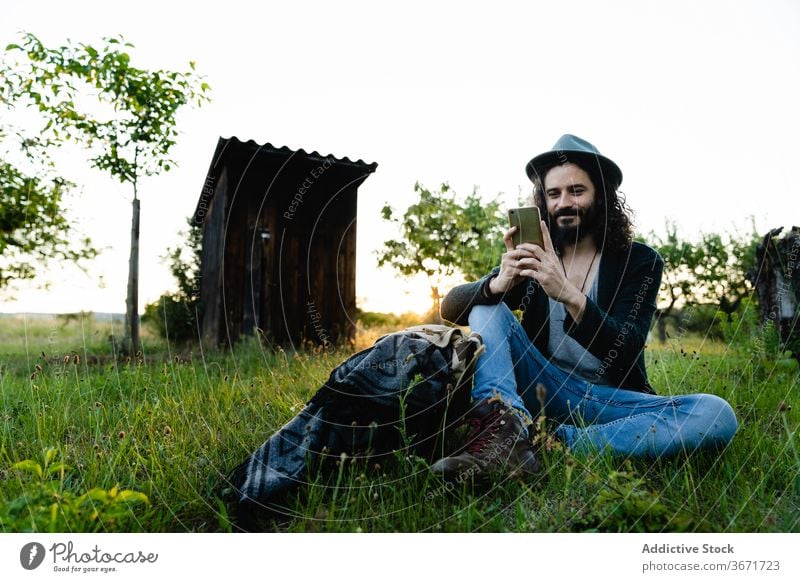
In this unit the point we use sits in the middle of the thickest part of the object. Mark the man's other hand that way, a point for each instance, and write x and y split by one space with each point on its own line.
511 268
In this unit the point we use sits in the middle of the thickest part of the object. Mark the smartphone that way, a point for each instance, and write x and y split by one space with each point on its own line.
529 229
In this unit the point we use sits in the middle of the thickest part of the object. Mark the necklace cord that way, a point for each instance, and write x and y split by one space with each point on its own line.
589 270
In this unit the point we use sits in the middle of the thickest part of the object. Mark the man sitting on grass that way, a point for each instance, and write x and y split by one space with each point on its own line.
588 299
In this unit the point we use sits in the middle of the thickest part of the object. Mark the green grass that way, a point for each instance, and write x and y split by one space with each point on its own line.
172 426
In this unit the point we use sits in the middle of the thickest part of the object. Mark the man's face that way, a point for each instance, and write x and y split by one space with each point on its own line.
569 195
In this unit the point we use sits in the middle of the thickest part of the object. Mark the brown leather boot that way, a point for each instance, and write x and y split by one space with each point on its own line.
496 445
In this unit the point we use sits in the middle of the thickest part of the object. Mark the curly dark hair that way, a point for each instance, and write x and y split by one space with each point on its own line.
613 227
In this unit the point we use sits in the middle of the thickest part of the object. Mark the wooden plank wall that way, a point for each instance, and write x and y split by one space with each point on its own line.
233 261
299 285
251 291
269 286
346 266
211 261
291 283
333 274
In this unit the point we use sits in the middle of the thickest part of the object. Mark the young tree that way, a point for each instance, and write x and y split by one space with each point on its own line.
678 281
124 115
722 273
711 273
441 236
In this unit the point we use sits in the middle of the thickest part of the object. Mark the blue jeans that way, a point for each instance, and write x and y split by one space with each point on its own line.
592 416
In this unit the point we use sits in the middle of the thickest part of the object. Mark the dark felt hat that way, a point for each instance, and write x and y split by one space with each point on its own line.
570 148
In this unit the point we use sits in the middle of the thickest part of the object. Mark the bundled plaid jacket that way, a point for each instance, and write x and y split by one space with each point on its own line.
417 380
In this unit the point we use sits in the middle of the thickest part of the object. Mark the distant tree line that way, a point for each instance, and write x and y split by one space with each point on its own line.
704 279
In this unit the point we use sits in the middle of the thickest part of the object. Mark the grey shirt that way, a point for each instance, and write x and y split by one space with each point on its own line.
568 354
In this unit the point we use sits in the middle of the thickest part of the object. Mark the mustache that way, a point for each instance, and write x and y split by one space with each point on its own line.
566 212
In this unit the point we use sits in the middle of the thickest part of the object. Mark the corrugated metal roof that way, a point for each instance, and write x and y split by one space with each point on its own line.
250 150
233 143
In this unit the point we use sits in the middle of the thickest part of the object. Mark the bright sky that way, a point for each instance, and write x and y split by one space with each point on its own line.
696 101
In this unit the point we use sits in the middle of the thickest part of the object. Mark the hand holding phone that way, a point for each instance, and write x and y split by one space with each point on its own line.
525 228
527 221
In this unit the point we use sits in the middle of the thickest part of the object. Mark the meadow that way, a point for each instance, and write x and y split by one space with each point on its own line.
88 444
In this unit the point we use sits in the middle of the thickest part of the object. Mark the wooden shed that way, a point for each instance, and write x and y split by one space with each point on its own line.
279 244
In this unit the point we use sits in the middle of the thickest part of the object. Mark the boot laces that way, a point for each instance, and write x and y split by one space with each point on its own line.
482 430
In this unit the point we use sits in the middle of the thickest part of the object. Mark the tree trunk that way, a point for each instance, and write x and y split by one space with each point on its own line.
130 343
435 315
662 329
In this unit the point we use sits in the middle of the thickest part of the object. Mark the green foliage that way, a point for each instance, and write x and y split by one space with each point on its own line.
722 273
625 503
176 315
134 129
173 317
441 235
33 225
46 506
705 320
743 331
701 278
711 271
792 344
371 319
681 258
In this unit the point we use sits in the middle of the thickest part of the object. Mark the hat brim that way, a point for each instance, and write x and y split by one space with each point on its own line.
539 165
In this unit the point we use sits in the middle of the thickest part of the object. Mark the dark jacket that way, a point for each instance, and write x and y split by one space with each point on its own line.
614 329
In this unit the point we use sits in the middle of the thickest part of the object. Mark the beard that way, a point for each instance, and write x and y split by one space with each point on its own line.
571 235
